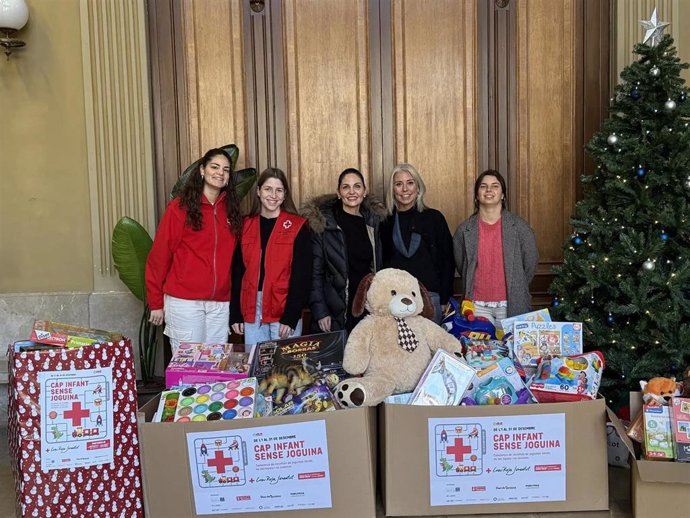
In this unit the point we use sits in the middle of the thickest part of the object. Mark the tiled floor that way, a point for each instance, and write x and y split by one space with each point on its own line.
618 484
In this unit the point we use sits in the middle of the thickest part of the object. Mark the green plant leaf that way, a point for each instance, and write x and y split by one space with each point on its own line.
230 149
131 245
244 180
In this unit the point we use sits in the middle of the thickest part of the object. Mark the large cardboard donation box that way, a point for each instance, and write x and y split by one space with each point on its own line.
494 459
311 465
73 432
657 488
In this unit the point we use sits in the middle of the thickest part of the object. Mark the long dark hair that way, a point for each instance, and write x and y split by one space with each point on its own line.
478 182
190 197
272 172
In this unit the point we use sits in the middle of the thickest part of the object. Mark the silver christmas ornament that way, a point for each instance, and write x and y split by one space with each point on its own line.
687 183
655 71
612 139
648 265
670 105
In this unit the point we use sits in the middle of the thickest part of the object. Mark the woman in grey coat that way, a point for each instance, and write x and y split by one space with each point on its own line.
495 253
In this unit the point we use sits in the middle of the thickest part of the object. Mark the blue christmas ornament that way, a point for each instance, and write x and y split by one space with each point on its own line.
577 241
640 171
664 236
610 319
635 93
555 302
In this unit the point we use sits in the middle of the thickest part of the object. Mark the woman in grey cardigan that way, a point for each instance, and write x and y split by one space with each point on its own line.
495 253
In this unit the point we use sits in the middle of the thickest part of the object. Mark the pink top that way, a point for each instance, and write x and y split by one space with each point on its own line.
489 276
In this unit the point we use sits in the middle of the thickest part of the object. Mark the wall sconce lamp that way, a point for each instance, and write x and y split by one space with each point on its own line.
13 16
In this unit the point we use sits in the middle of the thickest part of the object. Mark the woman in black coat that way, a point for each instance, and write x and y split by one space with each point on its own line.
346 246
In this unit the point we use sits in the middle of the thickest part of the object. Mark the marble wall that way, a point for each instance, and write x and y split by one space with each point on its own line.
111 311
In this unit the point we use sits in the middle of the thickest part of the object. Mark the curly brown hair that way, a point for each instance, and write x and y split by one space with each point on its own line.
190 197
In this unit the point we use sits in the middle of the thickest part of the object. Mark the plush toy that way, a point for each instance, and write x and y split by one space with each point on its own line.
392 345
659 391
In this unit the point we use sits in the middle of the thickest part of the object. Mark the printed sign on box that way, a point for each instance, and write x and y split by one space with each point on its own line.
268 468
501 459
76 418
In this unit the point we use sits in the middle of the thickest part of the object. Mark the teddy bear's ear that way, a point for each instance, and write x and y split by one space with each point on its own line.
428 311
361 295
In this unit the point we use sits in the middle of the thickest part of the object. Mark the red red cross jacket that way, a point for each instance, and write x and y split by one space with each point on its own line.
189 264
277 266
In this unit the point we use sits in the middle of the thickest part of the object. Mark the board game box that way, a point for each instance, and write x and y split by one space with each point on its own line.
65 335
220 401
658 436
680 416
195 363
532 340
285 368
444 382
541 315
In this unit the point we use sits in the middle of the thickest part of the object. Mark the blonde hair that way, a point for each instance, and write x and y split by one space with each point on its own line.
421 188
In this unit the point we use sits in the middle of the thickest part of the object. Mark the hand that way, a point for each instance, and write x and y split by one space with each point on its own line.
238 328
285 331
157 316
325 324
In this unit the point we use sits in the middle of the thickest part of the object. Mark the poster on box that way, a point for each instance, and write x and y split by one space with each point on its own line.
495 460
268 468
76 418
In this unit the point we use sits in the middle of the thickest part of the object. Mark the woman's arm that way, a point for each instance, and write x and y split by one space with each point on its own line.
168 237
530 253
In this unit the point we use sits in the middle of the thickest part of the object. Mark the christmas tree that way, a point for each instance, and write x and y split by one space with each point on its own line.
626 270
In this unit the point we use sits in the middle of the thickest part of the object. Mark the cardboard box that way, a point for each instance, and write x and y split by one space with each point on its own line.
168 460
657 488
409 433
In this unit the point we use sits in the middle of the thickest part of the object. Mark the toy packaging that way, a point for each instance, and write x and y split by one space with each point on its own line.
680 419
658 436
223 400
195 363
444 381
501 384
316 398
167 406
482 353
398 399
532 340
64 335
287 367
568 378
263 406
541 315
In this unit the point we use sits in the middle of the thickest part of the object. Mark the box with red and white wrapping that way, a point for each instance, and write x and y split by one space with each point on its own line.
72 430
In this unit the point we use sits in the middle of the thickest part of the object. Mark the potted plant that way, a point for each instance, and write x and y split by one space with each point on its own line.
131 244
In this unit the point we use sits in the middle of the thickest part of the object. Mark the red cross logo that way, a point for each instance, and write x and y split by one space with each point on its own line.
458 449
219 461
76 414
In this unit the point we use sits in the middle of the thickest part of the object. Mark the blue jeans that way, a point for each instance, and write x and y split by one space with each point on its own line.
261 332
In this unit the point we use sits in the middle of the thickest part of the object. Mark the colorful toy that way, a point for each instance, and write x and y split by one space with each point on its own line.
659 391
541 315
533 340
167 406
568 378
658 436
195 363
391 346
680 419
456 323
70 336
482 353
500 384
223 400
316 398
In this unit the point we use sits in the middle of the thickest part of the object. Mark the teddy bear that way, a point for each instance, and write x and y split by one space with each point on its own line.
659 391
392 346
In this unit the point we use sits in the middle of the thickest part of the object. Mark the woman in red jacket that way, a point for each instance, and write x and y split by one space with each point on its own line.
272 269
188 269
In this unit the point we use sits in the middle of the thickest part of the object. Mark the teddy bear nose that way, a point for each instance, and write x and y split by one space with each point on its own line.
406 301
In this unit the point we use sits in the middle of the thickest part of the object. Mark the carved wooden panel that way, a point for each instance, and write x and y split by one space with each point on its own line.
214 68
434 110
326 60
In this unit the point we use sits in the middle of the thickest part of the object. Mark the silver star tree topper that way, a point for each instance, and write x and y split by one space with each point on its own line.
653 29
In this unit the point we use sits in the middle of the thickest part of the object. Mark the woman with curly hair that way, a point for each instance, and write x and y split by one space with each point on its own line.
188 268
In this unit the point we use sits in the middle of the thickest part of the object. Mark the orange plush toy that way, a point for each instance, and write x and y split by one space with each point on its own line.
659 391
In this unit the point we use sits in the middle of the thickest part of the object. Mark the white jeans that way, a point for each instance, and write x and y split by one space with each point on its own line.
195 321
261 332
493 315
